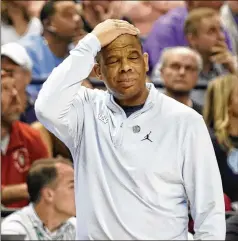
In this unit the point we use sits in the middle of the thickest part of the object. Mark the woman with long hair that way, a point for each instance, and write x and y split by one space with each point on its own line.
221 116
17 21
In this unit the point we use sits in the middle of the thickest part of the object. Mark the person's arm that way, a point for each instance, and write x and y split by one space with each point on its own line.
45 135
59 106
202 182
14 193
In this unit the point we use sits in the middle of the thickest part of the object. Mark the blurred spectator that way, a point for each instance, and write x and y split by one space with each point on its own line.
17 21
168 30
221 115
229 16
180 67
17 64
232 228
144 13
50 215
95 12
61 23
203 30
21 145
54 145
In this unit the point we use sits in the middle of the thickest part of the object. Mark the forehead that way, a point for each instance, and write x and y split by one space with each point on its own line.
65 172
182 58
208 22
62 6
5 61
210 4
123 42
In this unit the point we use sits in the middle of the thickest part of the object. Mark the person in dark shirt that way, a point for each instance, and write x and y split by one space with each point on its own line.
179 71
221 116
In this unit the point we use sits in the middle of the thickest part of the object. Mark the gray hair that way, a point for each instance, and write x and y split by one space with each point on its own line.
180 50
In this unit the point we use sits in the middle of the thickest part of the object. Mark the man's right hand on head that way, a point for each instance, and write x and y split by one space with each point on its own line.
110 29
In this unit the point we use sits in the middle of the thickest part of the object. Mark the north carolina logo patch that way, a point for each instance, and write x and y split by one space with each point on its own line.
103 118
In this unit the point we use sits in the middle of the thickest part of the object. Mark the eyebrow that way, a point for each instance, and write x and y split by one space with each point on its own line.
131 51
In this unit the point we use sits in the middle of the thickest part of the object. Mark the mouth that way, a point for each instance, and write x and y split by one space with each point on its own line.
180 82
126 83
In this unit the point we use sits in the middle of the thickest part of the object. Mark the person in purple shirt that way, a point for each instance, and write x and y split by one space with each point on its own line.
168 30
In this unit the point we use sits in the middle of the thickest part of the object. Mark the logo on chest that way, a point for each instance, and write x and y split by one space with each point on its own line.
103 118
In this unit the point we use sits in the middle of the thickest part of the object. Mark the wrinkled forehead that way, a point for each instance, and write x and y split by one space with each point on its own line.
123 42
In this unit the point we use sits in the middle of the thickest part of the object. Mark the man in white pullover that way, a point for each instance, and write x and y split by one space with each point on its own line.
139 156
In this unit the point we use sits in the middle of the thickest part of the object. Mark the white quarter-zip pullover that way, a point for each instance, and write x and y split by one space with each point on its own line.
133 175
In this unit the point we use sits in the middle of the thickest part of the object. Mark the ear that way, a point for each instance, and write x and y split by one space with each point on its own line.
47 194
48 25
97 71
146 61
191 40
28 77
161 71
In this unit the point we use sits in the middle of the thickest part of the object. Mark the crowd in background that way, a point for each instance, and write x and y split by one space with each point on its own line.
193 58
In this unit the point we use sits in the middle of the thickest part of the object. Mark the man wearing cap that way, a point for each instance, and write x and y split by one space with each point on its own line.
21 145
16 63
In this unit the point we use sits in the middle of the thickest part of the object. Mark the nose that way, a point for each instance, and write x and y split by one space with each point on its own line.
125 66
221 35
182 70
76 18
14 91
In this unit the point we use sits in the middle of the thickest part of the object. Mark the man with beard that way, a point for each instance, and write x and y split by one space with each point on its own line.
61 24
179 70
21 145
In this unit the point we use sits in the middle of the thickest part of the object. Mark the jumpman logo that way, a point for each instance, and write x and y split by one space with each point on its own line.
147 137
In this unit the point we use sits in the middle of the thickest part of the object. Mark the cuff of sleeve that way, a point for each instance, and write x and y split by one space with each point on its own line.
91 42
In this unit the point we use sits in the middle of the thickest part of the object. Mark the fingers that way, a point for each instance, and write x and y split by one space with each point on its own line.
220 58
125 27
219 49
221 44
